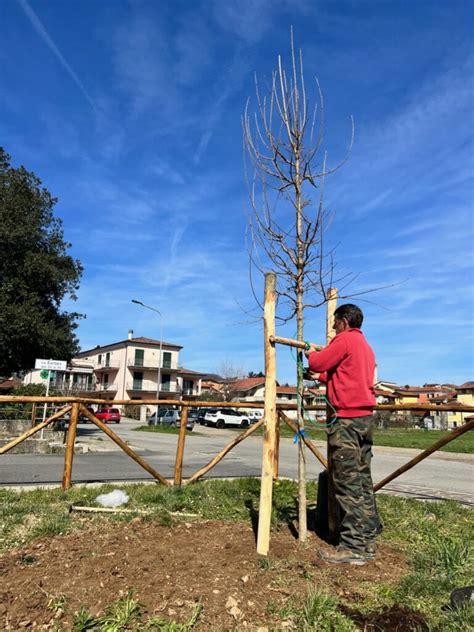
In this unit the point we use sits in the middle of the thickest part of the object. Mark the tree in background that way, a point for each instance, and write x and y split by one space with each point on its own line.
283 138
230 374
36 274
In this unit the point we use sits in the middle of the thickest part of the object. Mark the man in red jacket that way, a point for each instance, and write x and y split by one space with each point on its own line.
347 366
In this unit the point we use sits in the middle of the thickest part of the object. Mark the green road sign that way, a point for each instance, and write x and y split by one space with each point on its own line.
44 374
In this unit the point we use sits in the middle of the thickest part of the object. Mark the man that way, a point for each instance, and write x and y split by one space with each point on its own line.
347 366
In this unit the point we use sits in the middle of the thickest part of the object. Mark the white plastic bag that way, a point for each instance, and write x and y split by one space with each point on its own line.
113 499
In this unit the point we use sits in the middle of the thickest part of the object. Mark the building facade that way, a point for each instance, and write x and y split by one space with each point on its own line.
131 369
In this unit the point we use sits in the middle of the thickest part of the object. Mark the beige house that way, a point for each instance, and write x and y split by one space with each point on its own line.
465 396
135 368
131 369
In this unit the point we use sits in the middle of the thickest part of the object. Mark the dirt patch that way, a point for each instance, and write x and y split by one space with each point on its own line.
172 568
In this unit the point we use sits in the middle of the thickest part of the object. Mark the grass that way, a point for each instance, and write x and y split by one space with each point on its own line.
162 429
393 437
436 538
126 614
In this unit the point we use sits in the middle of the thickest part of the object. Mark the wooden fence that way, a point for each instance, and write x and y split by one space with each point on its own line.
78 406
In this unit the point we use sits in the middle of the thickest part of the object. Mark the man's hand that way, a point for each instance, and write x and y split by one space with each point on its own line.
312 347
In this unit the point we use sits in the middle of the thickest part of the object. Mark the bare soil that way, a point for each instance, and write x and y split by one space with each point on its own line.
172 568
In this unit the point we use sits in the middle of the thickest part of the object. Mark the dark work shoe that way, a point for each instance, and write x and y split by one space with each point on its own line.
341 555
370 550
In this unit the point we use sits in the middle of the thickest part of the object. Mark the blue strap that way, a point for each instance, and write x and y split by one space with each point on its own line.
299 433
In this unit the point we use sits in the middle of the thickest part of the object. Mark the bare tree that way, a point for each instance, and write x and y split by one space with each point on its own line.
230 374
283 138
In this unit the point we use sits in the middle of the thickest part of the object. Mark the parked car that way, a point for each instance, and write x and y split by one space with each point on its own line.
165 417
223 417
83 418
170 417
201 415
192 419
108 414
253 415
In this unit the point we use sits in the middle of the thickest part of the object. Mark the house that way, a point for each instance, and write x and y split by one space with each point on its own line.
384 396
464 396
386 386
406 395
252 389
213 385
141 368
135 368
76 379
249 389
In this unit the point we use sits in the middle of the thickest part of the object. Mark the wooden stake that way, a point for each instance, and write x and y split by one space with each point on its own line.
269 437
178 466
436 446
71 439
213 462
32 431
333 513
124 446
276 457
330 309
289 342
33 415
308 443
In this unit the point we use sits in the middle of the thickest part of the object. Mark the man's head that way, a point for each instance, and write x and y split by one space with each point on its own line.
347 316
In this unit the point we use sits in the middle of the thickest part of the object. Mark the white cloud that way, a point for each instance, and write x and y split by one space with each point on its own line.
43 33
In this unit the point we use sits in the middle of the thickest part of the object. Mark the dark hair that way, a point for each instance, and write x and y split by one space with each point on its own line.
351 313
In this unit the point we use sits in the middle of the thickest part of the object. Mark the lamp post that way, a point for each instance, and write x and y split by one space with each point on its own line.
153 309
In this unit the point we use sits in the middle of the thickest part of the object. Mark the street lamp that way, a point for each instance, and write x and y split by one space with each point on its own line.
153 309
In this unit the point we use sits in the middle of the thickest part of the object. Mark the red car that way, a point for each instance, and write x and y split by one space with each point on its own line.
109 415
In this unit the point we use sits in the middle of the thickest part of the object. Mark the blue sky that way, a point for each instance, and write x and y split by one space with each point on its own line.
130 113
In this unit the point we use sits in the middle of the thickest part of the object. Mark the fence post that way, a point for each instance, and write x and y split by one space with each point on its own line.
71 438
276 456
333 514
178 466
33 414
269 437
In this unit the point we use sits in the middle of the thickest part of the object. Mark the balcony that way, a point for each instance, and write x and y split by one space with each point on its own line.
139 363
112 366
66 388
109 388
146 386
190 391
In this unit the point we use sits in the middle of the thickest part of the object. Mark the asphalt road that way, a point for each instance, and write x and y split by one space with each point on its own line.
442 475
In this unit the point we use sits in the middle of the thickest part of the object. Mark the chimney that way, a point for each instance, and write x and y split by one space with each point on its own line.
130 334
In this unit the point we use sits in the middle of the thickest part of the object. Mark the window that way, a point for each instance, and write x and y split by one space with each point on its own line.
99 359
137 380
167 359
139 357
107 359
188 387
106 380
165 383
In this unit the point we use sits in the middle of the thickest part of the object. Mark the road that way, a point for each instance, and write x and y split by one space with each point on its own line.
442 475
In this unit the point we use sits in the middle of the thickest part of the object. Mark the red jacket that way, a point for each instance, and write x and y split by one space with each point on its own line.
347 365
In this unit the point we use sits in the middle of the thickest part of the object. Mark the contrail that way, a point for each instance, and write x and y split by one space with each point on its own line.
42 32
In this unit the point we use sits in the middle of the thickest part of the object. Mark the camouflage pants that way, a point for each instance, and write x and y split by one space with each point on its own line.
350 454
